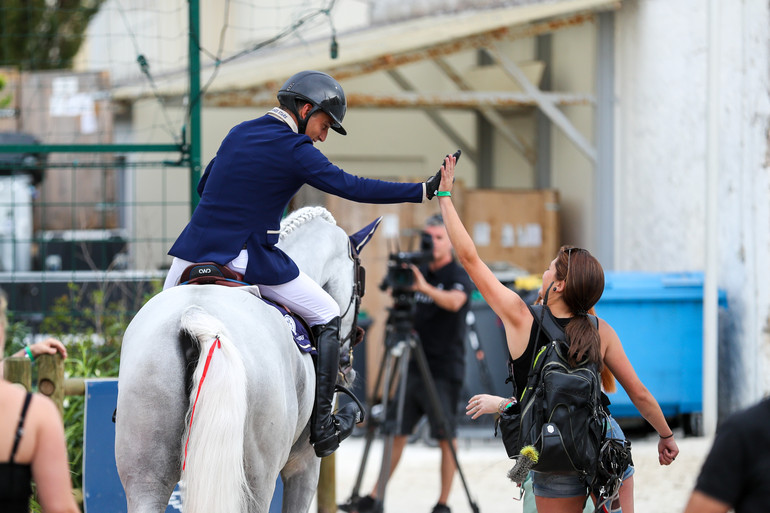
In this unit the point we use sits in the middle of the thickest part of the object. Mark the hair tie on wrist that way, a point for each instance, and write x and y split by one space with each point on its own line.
665 437
29 353
443 193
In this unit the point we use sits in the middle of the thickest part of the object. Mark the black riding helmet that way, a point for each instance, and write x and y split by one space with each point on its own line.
321 91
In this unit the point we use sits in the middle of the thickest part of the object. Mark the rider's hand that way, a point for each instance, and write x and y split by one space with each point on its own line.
431 185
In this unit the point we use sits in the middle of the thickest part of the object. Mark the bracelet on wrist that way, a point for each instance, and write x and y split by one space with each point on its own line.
443 193
29 353
505 404
665 437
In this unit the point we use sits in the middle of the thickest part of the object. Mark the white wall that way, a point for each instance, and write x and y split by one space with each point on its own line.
661 69
574 70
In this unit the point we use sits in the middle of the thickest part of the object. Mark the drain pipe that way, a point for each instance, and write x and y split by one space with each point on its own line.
710 283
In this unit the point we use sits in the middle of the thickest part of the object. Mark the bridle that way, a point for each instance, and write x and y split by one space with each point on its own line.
359 287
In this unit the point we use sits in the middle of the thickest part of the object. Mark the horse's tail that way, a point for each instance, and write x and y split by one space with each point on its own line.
213 469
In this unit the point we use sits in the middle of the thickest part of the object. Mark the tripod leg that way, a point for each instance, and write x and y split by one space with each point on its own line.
383 376
430 386
401 352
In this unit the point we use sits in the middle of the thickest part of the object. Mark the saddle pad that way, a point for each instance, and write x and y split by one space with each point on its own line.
296 324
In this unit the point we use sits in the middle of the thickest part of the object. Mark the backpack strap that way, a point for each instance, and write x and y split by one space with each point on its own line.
553 330
549 324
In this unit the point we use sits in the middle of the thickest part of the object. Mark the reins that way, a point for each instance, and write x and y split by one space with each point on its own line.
359 273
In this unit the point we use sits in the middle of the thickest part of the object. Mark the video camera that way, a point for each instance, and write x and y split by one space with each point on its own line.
400 277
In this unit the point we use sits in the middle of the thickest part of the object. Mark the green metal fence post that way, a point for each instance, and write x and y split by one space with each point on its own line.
196 100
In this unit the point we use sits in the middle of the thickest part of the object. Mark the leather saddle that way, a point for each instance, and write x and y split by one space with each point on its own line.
210 273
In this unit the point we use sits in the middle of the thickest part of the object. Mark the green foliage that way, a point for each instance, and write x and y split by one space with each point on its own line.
88 360
84 314
43 34
5 100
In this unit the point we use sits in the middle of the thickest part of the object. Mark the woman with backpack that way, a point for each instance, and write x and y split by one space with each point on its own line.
572 285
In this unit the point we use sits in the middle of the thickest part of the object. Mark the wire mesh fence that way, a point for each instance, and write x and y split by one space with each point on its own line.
97 160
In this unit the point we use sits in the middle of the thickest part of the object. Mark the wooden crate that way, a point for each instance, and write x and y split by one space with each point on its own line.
65 107
519 227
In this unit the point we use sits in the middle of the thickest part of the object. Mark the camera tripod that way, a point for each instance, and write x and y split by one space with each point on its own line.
400 342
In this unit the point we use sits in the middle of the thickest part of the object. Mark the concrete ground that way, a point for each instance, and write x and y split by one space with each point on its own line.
415 484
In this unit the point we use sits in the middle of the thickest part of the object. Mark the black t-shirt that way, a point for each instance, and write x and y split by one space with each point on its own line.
443 332
737 469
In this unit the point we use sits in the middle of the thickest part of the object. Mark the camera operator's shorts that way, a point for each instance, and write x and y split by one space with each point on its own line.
417 403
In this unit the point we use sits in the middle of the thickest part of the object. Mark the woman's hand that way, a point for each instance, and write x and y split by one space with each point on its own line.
480 404
47 346
667 450
448 173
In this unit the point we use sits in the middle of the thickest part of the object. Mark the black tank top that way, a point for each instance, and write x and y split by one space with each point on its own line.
15 479
522 364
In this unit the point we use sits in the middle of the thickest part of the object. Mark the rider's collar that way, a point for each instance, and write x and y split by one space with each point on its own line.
284 116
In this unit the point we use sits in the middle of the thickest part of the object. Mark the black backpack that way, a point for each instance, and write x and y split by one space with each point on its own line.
560 413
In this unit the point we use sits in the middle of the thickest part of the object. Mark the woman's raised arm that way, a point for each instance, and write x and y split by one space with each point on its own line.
504 302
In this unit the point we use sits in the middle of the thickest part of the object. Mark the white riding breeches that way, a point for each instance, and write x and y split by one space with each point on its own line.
301 295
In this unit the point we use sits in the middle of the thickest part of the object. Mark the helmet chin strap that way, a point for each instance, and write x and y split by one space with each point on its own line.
302 122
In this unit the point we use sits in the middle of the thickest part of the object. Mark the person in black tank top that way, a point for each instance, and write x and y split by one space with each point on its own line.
572 285
32 439
15 479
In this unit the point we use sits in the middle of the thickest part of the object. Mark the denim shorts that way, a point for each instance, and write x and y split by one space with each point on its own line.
569 485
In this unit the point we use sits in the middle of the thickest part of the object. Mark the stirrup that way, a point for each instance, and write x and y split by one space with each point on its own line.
362 411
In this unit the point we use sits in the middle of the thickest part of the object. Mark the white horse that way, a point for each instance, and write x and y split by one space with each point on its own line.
250 395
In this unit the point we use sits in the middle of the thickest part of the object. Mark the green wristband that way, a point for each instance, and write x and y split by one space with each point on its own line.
29 354
443 193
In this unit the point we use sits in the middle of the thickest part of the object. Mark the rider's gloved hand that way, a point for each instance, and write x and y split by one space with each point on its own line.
431 185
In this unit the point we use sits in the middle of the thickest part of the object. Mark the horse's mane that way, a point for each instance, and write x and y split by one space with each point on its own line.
302 216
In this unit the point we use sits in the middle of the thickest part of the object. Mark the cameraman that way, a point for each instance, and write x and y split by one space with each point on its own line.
441 302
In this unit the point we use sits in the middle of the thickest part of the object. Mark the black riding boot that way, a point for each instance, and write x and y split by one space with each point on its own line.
327 430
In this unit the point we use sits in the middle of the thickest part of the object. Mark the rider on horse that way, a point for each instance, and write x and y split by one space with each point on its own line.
245 189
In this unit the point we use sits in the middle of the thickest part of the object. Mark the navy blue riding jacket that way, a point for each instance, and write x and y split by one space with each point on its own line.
258 168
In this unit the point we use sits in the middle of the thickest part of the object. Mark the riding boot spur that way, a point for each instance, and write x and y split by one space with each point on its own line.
327 430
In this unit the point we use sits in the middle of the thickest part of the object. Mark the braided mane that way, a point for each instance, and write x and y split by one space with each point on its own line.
302 216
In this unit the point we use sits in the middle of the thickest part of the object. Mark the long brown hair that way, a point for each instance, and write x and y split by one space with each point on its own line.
583 286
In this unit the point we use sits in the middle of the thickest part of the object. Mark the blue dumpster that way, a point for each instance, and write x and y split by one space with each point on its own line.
659 319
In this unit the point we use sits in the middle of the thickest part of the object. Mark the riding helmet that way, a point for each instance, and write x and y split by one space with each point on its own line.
321 91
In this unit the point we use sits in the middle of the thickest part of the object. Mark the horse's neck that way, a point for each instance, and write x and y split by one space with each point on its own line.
320 251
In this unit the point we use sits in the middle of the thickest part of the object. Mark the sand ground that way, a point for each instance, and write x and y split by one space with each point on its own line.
415 485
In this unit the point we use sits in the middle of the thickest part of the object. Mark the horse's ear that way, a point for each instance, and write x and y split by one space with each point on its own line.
359 239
